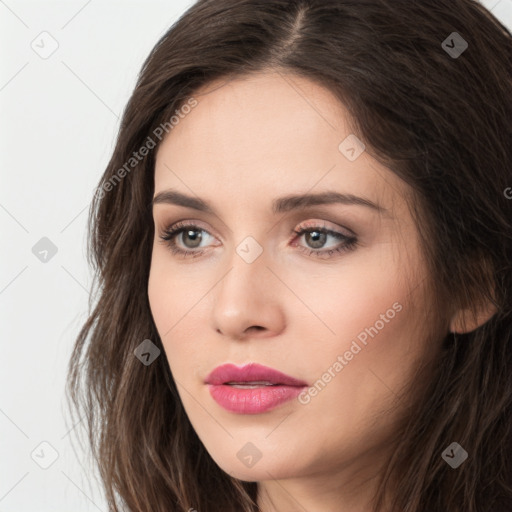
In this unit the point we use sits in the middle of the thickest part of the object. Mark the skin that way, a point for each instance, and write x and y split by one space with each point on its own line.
247 142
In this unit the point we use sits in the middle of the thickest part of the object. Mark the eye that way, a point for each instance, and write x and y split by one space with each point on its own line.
316 237
182 237
191 240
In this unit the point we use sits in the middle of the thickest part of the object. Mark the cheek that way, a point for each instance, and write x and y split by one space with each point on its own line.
163 300
376 333
160 301
172 291
176 299
351 296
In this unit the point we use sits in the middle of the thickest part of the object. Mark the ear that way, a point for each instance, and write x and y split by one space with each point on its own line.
468 319
476 309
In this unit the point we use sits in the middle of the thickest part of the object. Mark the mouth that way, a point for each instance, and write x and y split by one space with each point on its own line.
251 389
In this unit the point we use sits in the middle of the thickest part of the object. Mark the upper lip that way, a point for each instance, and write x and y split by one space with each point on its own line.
251 372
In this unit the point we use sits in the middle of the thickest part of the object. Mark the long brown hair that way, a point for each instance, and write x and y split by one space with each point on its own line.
438 114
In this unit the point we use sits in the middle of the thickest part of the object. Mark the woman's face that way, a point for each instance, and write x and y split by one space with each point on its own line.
341 312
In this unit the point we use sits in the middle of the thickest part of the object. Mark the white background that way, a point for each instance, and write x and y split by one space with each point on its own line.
58 120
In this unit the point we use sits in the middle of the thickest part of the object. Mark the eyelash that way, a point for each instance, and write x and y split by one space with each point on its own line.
350 242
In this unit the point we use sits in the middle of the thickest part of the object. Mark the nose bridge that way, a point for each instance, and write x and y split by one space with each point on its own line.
248 264
245 297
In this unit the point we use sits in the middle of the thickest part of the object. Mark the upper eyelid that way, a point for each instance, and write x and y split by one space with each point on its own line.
186 224
301 226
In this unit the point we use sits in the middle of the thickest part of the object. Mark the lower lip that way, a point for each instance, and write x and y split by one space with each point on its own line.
252 401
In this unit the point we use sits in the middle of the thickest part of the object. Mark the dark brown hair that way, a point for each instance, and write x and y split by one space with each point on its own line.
441 122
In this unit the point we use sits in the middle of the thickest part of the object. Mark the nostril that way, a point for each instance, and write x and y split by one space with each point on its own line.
257 327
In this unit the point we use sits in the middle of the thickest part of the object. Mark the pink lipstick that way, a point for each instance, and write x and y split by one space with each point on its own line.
252 388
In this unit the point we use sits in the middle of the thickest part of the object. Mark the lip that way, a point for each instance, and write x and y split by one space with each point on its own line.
252 372
255 400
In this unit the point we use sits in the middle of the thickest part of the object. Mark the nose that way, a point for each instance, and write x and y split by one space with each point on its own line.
247 301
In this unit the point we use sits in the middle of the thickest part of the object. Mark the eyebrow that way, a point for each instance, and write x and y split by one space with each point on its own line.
280 205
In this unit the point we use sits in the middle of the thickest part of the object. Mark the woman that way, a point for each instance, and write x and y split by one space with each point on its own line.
303 249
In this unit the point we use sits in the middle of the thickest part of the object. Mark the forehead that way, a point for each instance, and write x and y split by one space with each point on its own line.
265 134
236 118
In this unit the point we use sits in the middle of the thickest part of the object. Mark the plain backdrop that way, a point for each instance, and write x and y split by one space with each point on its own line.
66 73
